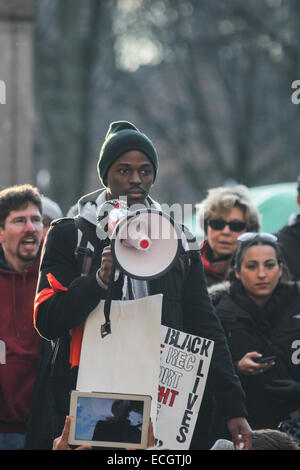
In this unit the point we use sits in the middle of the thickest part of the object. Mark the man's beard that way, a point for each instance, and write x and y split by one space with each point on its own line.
29 258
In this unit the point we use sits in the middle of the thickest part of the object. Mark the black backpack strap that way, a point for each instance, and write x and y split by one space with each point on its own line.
86 245
106 327
190 251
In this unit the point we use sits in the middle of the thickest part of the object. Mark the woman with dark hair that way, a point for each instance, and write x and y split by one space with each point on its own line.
261 317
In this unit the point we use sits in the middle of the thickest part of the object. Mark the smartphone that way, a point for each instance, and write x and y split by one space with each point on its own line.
262 359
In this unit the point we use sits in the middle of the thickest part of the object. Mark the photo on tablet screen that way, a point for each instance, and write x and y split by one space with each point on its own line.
109 419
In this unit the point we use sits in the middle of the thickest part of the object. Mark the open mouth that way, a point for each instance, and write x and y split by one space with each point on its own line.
29 242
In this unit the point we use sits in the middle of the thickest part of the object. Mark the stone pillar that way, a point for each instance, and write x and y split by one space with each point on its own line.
16 92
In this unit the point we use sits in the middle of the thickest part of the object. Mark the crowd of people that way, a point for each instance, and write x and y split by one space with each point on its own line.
241 290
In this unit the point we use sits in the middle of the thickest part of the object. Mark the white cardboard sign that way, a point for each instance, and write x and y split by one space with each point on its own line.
127 360
141 356
184 365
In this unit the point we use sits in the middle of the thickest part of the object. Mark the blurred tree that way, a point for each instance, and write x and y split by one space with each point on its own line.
209 82
69 36
224 110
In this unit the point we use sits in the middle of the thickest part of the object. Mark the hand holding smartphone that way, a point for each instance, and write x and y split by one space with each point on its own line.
261 360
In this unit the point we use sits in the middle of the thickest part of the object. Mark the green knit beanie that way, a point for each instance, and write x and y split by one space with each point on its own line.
122 136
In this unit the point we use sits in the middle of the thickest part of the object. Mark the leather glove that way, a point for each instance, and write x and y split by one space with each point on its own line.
284 389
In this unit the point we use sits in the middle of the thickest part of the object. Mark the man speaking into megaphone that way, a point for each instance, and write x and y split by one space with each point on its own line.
76 270
127 167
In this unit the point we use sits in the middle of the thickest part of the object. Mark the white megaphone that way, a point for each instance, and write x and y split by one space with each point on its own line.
144 243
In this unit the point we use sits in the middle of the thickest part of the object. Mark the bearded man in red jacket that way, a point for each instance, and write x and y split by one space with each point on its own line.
21 231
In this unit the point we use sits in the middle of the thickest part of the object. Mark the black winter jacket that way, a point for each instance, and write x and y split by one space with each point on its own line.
289 241
186 306
275 329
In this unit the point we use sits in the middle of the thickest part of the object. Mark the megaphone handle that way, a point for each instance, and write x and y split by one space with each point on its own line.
106 328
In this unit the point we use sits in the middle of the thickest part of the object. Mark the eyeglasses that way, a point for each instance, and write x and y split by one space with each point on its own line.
264 236
22 221
234 225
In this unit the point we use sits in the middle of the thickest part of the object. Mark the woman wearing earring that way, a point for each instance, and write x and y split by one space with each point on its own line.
225 214
261 317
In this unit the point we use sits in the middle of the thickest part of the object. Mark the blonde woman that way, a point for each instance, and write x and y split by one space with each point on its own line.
224 214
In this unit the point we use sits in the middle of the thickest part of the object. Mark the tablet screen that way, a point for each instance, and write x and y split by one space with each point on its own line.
109 420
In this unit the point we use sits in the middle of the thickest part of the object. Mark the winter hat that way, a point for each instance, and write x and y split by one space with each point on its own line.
122 136
51 209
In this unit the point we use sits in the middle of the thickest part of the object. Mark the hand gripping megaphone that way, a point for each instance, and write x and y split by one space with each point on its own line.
144 243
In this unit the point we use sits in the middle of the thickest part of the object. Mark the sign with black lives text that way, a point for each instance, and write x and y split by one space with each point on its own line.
184 365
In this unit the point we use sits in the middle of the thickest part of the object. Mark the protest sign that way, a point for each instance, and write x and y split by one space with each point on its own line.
127 360
184 365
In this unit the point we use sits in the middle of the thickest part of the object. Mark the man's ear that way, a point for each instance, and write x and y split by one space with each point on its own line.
298 199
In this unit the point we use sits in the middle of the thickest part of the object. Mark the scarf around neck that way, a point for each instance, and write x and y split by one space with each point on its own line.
217 268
